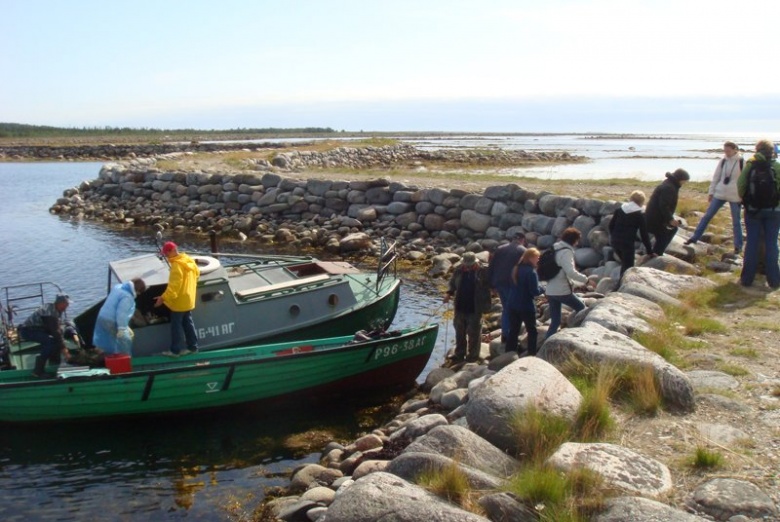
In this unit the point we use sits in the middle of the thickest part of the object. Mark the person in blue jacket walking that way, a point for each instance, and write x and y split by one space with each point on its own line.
112 328
521 305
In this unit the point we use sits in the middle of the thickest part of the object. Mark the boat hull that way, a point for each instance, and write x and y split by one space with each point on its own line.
221 378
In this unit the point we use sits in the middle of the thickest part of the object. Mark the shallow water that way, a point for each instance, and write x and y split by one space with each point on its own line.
160 469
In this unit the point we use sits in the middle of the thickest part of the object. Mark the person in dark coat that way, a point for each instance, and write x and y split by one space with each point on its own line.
521 304
49 327
626 222
660 210
500 267
470 286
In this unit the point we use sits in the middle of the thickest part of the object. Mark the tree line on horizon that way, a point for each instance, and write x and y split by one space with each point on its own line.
21 130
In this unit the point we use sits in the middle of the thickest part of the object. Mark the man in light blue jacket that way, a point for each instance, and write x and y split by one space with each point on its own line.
112 328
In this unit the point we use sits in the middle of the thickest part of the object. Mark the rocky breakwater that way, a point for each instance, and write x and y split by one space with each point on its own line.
464 423
110 151
340 215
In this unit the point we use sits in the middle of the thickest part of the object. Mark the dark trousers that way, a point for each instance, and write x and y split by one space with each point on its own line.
626 255
468 334
183 330
662 239
516 318
50 349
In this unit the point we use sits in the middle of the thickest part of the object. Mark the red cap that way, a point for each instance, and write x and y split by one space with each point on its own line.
168 247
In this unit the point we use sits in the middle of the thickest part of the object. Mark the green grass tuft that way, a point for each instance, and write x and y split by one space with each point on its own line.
704 458
538 434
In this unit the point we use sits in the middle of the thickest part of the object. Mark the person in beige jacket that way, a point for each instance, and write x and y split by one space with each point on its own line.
560 289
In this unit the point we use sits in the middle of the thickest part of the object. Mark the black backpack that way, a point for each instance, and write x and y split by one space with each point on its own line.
547 268
761 187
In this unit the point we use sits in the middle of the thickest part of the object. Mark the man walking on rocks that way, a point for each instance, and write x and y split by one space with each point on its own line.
502 262
660 210
470 287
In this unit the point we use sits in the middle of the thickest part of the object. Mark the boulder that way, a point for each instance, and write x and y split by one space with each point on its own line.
466 447
723 498
410 465
474 220
529 381
383 496
595 345
620 467
624 313
670 284
638 509
504 507
649 293
671 264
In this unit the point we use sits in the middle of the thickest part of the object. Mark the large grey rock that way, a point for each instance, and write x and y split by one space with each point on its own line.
474 220
649 293
587 257
466 447
624 313
671 264
723 498
410 465
670 284
595 345
422 425
638 509
504 507
529 381
620 467
354 242
721 434
712 380
383 497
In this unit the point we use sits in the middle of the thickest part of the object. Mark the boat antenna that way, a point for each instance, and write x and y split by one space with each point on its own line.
158 240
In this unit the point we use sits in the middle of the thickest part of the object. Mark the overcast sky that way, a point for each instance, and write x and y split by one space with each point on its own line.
394 65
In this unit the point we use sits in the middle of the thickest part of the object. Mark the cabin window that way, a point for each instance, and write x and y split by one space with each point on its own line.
295 310
212 296
333 299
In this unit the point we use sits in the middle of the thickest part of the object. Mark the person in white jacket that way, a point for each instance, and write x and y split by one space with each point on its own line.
723 189
560 289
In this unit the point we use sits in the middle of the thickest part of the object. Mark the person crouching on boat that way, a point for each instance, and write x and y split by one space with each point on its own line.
179 297
48 327
112 328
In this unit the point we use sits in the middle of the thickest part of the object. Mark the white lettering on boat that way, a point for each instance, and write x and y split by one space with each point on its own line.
216 330
212 387
396 348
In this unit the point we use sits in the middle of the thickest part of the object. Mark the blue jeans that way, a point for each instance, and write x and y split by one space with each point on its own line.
503 296
736 222
555 301
768 222
183 329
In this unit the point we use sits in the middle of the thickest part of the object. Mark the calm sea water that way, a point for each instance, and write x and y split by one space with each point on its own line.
195 467
199 468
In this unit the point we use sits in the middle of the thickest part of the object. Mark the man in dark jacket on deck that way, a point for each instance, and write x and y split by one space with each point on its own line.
48 327
660 210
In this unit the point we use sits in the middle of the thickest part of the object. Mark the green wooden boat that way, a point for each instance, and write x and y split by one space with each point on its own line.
250 300
220 378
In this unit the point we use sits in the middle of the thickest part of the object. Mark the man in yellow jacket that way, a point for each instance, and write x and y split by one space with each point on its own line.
179 297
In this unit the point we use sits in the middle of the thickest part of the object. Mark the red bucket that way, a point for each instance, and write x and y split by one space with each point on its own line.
119 363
